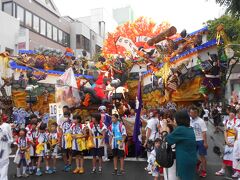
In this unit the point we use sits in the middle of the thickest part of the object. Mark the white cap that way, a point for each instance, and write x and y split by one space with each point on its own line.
102 108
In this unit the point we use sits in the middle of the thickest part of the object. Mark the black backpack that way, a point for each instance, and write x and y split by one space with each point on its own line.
164 154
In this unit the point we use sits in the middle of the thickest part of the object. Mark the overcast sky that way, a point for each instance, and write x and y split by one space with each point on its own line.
188 14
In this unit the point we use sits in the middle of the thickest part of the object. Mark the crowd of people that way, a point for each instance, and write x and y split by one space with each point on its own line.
184 130
39 142
185 142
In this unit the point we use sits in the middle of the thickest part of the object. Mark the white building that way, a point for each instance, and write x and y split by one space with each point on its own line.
124 14
9 33
100 21
41 25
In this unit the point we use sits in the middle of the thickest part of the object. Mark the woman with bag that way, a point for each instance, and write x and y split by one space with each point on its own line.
186 148
97 131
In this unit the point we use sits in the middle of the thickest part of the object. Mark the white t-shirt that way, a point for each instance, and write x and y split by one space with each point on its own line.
152 124
5 141
206 113
199 126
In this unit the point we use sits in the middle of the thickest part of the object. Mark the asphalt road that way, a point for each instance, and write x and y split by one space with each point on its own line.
134 169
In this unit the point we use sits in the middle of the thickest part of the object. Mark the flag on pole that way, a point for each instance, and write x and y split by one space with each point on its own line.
137 135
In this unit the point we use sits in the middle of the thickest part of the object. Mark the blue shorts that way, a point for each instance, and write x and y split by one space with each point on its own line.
202 151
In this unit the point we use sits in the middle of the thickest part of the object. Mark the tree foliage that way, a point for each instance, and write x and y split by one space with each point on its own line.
231 28
233 6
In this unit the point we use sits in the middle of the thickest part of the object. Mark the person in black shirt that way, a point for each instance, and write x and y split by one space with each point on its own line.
216 119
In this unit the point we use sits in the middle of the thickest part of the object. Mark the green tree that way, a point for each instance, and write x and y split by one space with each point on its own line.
231 28
233 7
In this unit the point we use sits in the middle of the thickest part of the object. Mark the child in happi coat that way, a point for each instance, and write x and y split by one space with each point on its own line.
97 130
78 143
66 141
118 134
32 134
236 149
230 136
22 155
53 139
157 171
42 150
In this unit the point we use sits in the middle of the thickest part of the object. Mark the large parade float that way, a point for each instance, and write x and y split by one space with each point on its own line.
175 69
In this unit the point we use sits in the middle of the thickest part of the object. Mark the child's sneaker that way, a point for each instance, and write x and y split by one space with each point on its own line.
93 171
220 173
114 172
119 173
25 175
38 173
76 171
81 170
100 170
18 175
49 171
236 175
30 171
203 174
54 170
67 168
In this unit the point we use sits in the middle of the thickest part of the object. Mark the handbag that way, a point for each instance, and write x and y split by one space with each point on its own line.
90 143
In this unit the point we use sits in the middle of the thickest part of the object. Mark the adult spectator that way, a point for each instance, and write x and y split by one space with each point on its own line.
65 109
216 119
151 133
184 138
5 149
152 129
206 114
200 130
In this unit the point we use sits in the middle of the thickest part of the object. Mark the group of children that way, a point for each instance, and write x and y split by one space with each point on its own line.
72 138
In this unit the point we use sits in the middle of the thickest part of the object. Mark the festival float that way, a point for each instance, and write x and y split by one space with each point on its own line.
175 69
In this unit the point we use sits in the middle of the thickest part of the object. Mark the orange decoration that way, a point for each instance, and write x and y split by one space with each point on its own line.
86 100
140 27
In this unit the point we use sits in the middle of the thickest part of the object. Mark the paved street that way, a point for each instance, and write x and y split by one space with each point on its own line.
134 170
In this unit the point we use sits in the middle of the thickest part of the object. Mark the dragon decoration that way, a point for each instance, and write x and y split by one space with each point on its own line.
170 60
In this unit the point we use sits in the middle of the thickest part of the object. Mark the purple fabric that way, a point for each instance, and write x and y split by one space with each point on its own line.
211 82
107 122
137 125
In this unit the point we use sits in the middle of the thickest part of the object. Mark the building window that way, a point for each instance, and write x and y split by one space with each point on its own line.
55 34
28 20
20 14
66 39
78 42
86 44
43 27
35 23
7 8
82 42
49 30
98 48
60 36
